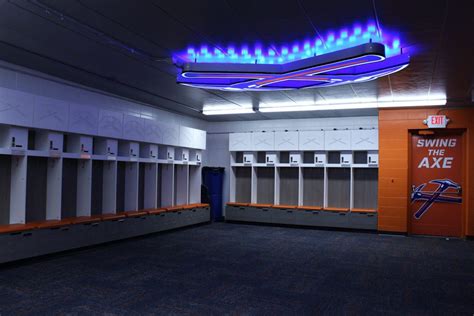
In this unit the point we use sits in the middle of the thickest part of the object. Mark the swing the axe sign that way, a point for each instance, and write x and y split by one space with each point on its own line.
436 194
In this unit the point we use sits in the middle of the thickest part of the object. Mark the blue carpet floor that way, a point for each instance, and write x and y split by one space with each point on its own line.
232 269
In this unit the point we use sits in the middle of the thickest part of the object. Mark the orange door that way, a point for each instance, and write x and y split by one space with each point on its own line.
436 197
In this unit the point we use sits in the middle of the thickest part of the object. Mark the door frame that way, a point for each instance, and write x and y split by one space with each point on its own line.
458 131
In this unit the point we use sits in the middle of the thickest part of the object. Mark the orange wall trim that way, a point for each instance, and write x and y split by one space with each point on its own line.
395 126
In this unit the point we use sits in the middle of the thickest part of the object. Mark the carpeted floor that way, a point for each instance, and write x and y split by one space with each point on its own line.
248 270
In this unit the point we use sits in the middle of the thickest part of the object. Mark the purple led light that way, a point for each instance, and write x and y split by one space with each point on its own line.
329 42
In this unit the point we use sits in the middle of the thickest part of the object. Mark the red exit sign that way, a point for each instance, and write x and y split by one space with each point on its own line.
437 121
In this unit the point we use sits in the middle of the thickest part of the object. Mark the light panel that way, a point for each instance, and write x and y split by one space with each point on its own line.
226 111
356 104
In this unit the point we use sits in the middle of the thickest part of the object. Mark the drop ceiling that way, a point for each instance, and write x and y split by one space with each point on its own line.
125 47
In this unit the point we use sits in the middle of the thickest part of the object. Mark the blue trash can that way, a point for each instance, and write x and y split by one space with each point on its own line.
213 181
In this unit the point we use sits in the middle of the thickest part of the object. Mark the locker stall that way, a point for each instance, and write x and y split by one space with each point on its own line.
127 186
339 187
37 175
242 184
265 177
97 187
167 185
5 191
194 184
148 183
181 184
365 188
43 191
103 195
313 186
76 187
288 185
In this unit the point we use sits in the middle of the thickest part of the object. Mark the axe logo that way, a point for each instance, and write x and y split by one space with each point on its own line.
431 197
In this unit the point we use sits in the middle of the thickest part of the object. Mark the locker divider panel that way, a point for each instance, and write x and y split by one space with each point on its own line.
339 183
313 186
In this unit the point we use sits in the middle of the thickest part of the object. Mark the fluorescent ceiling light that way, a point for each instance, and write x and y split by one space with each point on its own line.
321 107
351 106
223 111
337 104
395 104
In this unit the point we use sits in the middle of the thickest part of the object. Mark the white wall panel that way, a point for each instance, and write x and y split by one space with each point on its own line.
110 123
83 119
51 114
311 140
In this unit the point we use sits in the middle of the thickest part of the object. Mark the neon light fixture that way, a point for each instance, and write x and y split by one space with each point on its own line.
359 55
